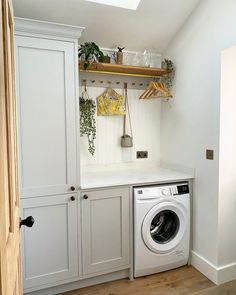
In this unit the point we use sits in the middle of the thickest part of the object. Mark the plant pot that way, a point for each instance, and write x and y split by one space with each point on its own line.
106 59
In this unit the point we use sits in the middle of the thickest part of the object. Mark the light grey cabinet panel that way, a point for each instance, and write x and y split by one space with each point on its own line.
105 230
50 247
47 115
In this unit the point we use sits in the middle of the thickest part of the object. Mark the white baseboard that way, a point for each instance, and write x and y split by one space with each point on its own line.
205 267
217 275
226 273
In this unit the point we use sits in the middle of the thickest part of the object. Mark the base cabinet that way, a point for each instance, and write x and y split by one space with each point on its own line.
50 247
105 230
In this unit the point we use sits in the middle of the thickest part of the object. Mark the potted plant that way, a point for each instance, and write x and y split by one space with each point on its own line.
90 52
87 120
169 78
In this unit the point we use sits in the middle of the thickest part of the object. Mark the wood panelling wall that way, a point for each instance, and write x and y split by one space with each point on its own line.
146 132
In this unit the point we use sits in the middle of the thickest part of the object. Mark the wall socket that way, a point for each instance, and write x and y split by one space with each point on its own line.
142 154
210 154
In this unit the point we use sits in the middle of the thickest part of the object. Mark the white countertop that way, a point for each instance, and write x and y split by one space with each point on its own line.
131 175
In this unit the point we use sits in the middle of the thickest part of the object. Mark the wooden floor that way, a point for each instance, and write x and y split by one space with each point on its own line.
182 281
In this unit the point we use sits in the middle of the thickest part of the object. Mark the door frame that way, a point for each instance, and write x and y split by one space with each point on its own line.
10 251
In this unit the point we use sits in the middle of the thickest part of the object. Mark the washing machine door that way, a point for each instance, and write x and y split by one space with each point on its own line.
164 226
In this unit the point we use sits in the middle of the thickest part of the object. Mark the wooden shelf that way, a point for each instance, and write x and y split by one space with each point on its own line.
124 70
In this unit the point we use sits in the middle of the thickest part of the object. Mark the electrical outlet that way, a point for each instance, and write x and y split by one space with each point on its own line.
142 154
210 154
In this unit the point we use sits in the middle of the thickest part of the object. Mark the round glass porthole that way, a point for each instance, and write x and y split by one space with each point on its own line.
164 226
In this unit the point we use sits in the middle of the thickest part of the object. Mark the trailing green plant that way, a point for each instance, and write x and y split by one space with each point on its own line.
88 122
90 52
169 78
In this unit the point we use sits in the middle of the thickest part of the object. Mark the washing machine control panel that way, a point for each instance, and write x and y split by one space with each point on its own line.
155 192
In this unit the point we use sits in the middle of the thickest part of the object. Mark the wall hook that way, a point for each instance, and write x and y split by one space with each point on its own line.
85 85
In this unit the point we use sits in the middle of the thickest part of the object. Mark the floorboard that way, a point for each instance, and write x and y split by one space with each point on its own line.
182 281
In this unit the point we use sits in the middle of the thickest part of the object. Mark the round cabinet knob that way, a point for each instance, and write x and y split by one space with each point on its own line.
85 197
29 221
72 188
72 198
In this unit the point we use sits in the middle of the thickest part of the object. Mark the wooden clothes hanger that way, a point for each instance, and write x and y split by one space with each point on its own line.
155 90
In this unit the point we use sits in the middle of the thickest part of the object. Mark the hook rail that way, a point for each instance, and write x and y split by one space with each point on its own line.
85 82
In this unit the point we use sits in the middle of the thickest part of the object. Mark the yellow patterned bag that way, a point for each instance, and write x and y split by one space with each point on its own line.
111 103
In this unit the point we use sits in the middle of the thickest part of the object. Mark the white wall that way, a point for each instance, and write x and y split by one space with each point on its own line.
191 125
227 179
145 116
193 122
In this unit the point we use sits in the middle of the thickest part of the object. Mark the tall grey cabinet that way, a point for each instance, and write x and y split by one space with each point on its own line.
47 83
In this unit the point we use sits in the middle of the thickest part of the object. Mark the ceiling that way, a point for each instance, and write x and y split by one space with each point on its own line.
151 26
130 4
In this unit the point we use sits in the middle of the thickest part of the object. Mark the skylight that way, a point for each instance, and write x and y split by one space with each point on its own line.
128 4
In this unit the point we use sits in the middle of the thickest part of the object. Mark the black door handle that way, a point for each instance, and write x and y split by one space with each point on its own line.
29 221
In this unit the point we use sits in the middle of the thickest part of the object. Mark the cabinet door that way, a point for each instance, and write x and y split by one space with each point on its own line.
50 248
47 115
105 230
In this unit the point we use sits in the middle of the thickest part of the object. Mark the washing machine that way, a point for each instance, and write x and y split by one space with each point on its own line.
161 228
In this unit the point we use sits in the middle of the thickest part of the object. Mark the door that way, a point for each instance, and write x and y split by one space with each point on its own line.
50 248
47 116
164 226
10 260
105 230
